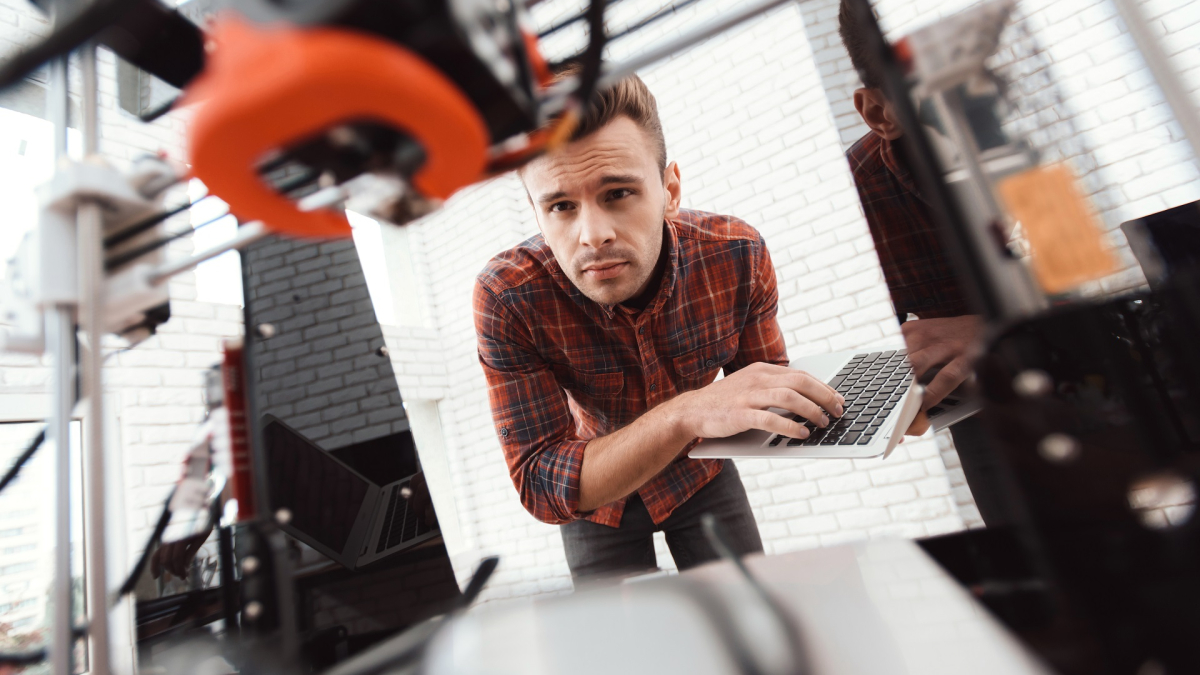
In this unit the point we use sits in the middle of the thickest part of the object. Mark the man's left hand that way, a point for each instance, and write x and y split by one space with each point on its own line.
950 343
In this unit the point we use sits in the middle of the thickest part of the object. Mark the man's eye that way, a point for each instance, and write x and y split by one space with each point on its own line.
620 193
560 206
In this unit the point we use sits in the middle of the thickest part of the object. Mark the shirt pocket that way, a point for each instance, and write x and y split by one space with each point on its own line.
699 367
588 385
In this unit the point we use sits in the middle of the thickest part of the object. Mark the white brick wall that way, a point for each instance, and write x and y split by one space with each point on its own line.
747 118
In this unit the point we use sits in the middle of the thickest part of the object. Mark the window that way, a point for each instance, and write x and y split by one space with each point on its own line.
218 280
26 161
27 537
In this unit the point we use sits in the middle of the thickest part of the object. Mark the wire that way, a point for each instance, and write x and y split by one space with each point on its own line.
15 469
410 646
129 256
143 225
593 56
162 109
161 526
716 536
134 254
21 659
478 580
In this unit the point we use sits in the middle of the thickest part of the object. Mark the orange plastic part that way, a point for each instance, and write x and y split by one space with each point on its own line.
541 71
264 89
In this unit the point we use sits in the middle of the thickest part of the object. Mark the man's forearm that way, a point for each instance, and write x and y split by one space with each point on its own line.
621 462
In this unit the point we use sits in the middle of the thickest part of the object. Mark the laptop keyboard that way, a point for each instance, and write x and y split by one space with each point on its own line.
402 522
872 385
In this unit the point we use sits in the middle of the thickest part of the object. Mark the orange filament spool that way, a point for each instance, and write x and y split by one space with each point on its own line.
264 89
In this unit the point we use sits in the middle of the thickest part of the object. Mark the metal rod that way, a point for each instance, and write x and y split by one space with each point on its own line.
60 334
619 71
60 331
90 107
1022 297
642 23
556 97
89 223
1182 105
970 262
570 20
247 234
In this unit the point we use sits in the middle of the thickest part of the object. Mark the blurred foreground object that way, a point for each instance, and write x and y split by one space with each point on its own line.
874 607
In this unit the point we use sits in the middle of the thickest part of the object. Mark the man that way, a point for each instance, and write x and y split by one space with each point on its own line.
600 339
919 276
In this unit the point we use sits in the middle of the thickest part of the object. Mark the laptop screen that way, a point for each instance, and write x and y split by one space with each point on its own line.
1166 242
323 495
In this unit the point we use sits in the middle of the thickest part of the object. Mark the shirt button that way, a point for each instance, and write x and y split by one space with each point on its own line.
504 431
641 330
710 363
653 386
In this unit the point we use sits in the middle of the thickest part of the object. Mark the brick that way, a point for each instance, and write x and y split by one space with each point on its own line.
888 495
810 525
834 503
922 509
852 482
788 511
900 473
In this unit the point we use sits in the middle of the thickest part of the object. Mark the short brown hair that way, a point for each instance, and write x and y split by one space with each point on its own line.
629 97
850 17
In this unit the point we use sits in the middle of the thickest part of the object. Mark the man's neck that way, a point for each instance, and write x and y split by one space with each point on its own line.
642 300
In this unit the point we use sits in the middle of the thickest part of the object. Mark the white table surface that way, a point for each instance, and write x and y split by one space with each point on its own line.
873 607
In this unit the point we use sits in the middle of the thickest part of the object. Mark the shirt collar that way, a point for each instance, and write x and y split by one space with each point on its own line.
665 288
893 159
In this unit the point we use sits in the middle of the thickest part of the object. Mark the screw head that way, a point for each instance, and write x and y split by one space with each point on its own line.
249 565
252 610
283 516
1032 383
1163 500
342 136
1059 448
265 331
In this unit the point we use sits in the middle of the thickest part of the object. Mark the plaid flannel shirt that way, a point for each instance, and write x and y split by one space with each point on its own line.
563 369
918 273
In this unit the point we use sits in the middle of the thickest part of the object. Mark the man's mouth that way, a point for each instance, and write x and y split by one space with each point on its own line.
604 270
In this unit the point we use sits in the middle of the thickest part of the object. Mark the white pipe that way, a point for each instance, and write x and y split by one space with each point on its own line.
89 224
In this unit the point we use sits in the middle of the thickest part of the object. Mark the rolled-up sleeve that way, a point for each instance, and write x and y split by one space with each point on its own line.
761 339
530 413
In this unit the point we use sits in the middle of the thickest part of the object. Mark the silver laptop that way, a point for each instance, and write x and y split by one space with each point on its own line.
335 509
882 400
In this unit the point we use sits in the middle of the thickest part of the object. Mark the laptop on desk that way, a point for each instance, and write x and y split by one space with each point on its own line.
882 400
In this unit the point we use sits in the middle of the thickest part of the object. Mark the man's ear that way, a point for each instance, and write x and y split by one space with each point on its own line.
674 189
529 198
876 111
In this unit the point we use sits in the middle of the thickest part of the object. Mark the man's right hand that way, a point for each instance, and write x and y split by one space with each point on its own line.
740 401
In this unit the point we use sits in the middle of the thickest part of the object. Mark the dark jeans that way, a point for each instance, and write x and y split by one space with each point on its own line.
985 472
596 552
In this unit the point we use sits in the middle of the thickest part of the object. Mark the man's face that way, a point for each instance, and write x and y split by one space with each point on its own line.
600 203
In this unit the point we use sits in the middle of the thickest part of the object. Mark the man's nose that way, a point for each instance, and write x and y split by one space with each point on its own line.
595 228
